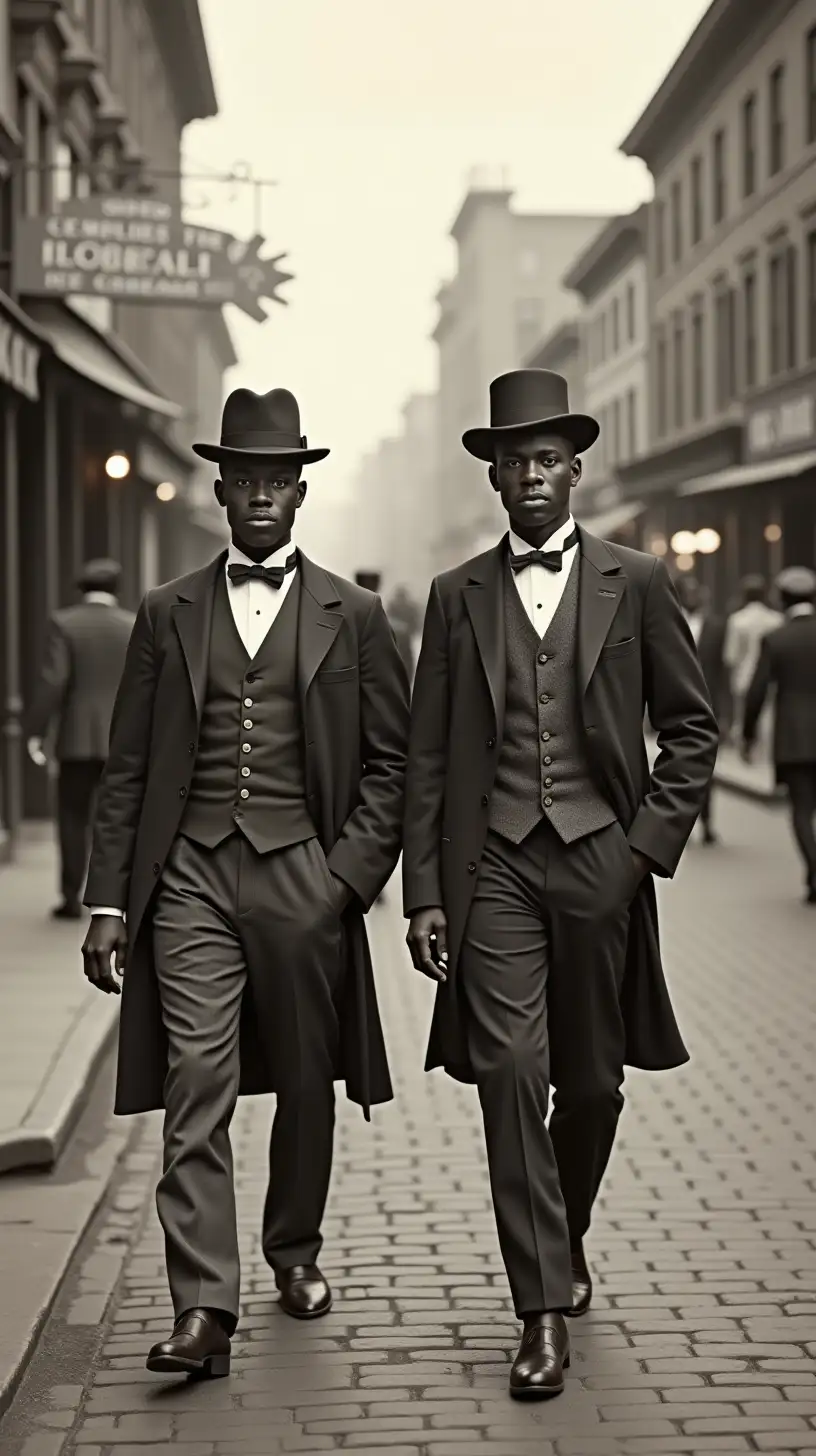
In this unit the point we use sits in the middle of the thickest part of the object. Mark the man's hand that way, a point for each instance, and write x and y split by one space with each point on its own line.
343 892
106 938
35 752
427 941
643 867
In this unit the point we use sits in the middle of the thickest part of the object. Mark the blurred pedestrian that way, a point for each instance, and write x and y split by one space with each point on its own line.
532 833
82 664
249 813
744 631
708 631
403 615
787 666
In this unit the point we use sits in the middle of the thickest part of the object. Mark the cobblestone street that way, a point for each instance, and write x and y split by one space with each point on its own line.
702 1334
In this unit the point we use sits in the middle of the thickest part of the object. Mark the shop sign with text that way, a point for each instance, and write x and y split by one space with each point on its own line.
783 427
19 361
139 250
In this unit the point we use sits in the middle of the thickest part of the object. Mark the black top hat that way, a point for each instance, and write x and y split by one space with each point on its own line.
530 399
261 426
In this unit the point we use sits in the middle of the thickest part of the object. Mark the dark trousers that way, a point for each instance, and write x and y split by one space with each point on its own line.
76 792
800 779
541 970
229 922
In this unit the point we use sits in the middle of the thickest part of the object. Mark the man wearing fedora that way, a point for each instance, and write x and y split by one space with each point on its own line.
533 830
249 814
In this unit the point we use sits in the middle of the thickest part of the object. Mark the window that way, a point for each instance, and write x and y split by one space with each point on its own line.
811 294
631 323
528 325
782 309
616 432
725 352
749 327
615 325
662 381
718 199
696 200
698 361
749 111
810 85
679 365
677 221
631 412
660 238
776 119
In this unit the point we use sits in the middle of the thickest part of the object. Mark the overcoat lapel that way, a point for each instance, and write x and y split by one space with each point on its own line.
602 584
319 624
192 617
484 599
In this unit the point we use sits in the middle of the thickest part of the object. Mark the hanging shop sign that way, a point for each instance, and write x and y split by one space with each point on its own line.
19 361
139 250
787 425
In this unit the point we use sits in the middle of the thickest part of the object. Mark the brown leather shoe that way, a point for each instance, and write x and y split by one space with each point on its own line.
544 1355
581 1283
199 1345
304 1293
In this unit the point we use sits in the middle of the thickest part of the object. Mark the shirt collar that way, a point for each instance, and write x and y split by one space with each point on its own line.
802 609
277 558
106 599
554 542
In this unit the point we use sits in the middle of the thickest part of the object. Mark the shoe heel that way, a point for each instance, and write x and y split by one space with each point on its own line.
217 1366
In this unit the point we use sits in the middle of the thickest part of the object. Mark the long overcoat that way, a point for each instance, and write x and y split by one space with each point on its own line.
635 651
354 704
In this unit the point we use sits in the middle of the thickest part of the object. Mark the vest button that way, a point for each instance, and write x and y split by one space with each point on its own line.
245 793
547 802
548 759
245 773
548 783
545 737
542 657
251 676
545 698
485 800
246 747
182 793
491 743
248 723
471 868
248 702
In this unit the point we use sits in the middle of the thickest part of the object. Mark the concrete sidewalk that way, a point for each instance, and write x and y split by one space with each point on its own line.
53 1027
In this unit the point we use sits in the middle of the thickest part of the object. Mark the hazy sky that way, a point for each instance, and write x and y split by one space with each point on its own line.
370 115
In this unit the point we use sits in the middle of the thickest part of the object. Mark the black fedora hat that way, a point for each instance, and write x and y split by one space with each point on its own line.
530 399
261 426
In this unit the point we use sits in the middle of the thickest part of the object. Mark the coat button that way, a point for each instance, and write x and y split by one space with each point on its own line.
182 793
491 743
547 802
157 869
542 657
251 676
471 868
485 800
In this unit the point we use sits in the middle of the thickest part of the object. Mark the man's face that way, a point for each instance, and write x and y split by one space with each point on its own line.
260 498
690 594
534 474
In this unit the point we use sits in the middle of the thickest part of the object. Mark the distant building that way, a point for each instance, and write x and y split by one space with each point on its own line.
507 293
730 140
610 277
396 499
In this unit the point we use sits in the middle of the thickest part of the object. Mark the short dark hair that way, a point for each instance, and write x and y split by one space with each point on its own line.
101 574
754 588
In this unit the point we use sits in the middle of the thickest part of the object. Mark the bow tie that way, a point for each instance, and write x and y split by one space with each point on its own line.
238 573
552 560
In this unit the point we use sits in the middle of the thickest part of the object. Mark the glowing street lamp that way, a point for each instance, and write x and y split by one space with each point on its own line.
707 541
117 466
684 543
684 562
166 491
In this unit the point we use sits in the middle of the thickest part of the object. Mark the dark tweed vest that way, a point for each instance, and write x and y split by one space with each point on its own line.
542 770
249 772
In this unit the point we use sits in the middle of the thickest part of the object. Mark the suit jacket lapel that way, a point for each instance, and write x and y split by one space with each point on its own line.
318 624
484 599
602 585
192 618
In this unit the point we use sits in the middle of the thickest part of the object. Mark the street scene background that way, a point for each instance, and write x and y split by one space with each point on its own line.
382 209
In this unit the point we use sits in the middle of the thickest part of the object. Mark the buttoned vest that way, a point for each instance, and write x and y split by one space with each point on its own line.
543 772
249 770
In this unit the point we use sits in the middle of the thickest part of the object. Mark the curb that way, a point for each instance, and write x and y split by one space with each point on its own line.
51 1118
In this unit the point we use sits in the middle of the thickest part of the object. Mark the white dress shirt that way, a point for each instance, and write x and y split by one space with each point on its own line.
695 621
541 590
255 605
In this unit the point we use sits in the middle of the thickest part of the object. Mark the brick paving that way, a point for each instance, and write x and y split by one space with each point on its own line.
702 1335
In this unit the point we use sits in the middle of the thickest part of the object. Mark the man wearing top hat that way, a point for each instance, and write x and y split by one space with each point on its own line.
533 830
249 814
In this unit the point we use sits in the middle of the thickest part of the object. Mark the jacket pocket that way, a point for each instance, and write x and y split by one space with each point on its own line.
618 649
337 674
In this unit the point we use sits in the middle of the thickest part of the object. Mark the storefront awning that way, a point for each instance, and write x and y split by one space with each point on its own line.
606 523
784 469
87 352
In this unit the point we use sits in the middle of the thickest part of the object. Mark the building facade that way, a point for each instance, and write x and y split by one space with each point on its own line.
506 295
94 98
730 140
